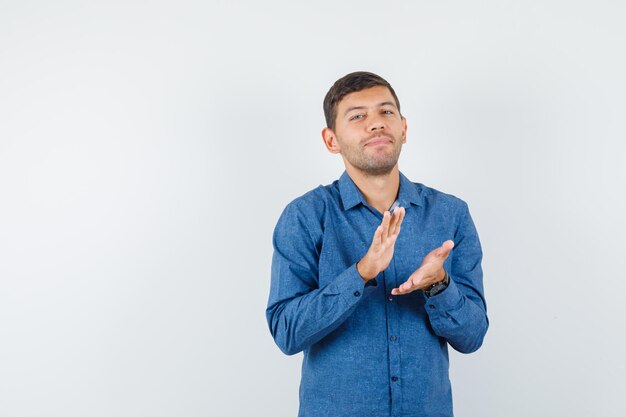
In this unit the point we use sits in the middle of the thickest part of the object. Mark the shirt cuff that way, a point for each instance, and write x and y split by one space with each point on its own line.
351 286
445 300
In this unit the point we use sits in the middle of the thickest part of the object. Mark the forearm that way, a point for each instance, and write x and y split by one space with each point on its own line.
298 321
460 319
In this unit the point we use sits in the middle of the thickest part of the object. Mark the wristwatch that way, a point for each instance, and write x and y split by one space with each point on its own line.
438 287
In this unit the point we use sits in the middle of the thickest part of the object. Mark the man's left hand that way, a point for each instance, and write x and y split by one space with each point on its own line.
430 272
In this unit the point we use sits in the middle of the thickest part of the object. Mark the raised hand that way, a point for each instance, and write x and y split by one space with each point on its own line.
380 253
430 272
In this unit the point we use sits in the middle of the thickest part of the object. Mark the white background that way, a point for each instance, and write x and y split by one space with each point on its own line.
148 148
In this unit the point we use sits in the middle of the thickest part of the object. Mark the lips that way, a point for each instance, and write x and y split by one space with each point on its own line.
379 140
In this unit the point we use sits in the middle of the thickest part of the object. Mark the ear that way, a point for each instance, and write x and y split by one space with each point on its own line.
330 140
403 129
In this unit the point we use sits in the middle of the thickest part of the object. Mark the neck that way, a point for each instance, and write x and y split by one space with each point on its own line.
380 191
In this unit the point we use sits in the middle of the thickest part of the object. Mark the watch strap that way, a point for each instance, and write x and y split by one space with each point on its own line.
438 287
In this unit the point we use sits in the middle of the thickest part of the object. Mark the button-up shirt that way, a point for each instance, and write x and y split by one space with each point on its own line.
367 352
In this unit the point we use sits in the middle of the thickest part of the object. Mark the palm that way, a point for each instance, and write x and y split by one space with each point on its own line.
381 250
429 272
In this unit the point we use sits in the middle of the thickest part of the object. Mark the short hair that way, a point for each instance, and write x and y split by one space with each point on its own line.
351 83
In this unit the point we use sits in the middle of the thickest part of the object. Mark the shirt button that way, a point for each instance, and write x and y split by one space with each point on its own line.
393 338
357 294
394 378
390 298
432 306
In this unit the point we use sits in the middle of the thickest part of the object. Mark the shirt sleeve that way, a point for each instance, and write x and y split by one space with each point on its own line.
459 313
299 313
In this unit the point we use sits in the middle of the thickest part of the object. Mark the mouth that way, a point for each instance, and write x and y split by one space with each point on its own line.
379 140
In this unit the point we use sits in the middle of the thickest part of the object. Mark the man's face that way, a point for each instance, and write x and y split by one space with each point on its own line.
369 131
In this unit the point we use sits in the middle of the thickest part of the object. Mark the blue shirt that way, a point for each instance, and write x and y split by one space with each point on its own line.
366 352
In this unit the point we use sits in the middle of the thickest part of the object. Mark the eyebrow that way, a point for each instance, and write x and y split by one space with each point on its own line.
384 103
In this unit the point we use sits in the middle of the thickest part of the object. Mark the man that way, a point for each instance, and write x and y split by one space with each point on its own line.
374 275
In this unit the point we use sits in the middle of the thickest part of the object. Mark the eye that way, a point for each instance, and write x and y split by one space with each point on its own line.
357 117
387 112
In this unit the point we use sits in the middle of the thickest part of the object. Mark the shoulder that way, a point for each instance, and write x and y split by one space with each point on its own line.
441 203
302 220
308 210
446 208
434 196
311 204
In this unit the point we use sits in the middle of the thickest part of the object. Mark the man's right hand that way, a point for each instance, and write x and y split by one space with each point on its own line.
379 255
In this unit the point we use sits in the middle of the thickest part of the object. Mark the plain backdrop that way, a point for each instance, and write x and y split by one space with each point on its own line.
148 148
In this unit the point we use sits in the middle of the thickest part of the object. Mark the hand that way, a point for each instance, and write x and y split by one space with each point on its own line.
380 252
430 272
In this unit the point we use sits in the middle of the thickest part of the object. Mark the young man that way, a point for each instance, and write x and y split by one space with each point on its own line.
374 275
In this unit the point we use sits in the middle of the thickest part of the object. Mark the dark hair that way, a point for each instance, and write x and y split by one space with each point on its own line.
351 83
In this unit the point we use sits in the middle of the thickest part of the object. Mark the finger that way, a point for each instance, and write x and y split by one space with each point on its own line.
410 284
415 280
406 286
398 216
385 224
399 222
403 289
393 221
439 254
445 249
376 240
399 291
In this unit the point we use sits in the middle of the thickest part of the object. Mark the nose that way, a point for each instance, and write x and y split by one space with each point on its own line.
376 123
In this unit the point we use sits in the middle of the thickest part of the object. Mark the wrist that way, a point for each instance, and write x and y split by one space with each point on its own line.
438 286
365 272
441 276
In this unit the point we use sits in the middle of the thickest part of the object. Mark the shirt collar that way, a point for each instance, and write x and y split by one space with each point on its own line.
351 196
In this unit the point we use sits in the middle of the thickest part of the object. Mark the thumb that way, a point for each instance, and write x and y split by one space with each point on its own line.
445 249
